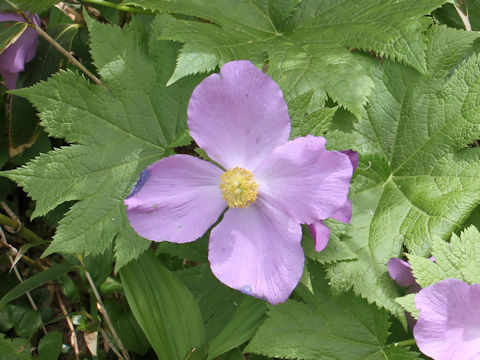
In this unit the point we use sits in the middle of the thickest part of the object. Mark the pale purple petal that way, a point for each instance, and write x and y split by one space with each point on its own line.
238 116
9 78
353 156
344 213
176 199
448 325
304 180
257 250
13 58
11 17
320 234
401 272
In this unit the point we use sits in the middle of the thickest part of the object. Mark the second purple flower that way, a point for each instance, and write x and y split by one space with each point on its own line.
268 185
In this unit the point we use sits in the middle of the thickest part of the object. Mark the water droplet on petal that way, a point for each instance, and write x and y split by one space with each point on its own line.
246 290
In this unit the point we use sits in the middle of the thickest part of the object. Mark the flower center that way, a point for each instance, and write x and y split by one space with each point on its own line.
238 187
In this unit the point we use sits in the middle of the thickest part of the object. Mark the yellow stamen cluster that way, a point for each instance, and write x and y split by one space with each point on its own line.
239 187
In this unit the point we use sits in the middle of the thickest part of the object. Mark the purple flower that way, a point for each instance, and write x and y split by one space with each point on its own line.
448 325
321 232
13 59
400 271
270 185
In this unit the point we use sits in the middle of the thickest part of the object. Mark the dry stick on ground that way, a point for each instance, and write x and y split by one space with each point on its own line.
75 16
464 17
110 344
105 313
25 258
3 239
73 334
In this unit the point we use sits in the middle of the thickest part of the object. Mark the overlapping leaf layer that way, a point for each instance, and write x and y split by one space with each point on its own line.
116 132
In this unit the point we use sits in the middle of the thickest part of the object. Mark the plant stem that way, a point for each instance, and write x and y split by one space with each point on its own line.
105 313
23 232
118 7
408 342
25 258
57 46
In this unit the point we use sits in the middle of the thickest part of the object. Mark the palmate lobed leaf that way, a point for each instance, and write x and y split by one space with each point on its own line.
417 180
116 134
305 41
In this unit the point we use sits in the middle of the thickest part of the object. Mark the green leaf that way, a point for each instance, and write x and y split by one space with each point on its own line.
216 301
194 251
315 122
414 161
127 327
408 303
27 321
198 353
128 244
336 250
10 32
16 349
455 259
241 327
393 352
50 346
117 133
305 41
33 6
35 281
23 129
324 326
163 306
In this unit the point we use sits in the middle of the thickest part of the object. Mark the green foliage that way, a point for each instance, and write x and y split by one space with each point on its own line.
455 259
315 122
317 327
35 281
305 41
16 349
117 132
33 6
216 301
127 327
50 346
408 303
163 306
241 327
24 129
417 180
336 250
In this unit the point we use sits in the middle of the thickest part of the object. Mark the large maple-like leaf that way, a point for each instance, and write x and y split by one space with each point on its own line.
306 42
116 132
417 178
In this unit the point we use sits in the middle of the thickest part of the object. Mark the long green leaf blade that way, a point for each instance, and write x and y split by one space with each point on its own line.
241 327
35 281
164 308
